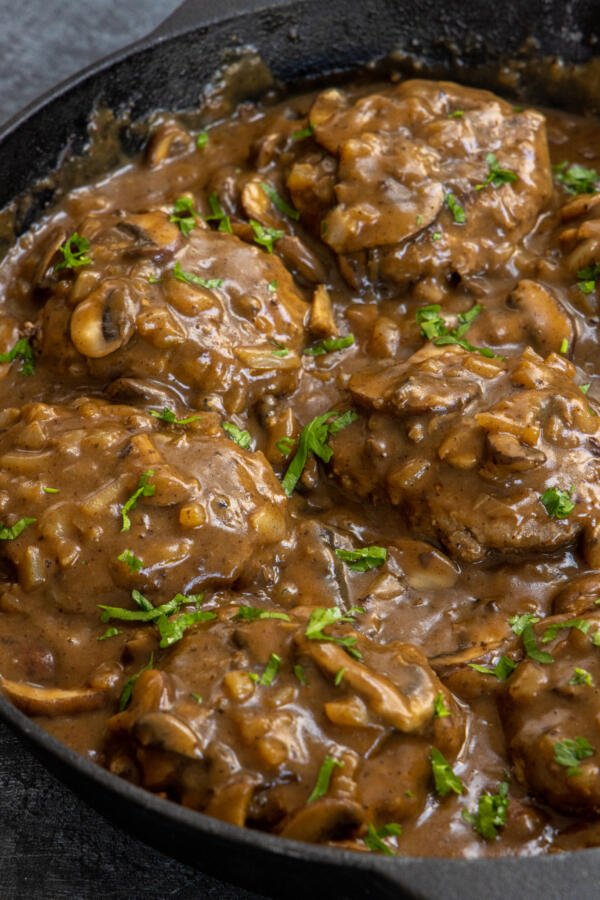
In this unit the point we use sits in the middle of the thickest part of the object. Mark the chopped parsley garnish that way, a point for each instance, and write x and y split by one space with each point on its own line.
496 175
434 328
252 613
503 668
51 490
190 278
436 236
271 670
110 632
564 347
339 676
314 439
458 213
588 278
491 813
324 777
279 203
584 388
330 345
300 674
557 503
10 532
302 133
550 633
280 351
374 838
134 563
127 691
184 215
153 279
570 752
285 445
323 616
202 140
523 625
456 114
22 350
576 179
197 698
167 415
74 252
363 559
444 777
172 630
265 236
440 710
272 287
238 435
218 214
143 489
582 676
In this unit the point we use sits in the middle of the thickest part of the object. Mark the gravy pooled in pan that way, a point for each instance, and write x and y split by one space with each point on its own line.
300 471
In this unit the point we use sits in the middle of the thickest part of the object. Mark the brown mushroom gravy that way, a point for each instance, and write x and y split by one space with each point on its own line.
300 471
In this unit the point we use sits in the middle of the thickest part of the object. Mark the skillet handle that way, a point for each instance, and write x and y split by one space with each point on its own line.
193 14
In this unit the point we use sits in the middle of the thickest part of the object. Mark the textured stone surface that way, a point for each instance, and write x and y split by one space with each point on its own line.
52 845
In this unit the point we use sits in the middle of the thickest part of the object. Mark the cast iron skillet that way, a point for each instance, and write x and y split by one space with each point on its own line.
297 39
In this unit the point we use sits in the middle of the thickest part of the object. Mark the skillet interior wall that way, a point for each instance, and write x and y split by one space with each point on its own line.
549 46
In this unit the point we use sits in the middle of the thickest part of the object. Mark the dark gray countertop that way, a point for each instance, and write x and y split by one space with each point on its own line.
52 845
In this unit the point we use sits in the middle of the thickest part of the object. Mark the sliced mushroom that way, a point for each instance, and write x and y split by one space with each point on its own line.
326 819
230 802
166 731
544 319
41 701
104 321
168 140
322 322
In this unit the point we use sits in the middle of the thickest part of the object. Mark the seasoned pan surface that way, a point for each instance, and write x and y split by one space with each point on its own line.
430 866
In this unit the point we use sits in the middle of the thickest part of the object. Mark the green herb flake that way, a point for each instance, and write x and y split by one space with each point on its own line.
184 215
496 175
22 351
570 752
74 253
550 633
285 445
197 698
582 676
491 813
324 778
595 638
584 388
300 674
314 439
239 436
576 179
172 630
272 287
330 345
522 625
557 503
167 415
252 613
588 278
440 710
564 347
444 777
145 612
189 278
202 140
217 214
436 236
502 670
458 213
434 328
364 558
143 489
279 203
324 616
339 676
280 352
153 279
10 532
302 133
375 837
51 490
134 563
271 670
265 236
109 633
456 114
127 691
